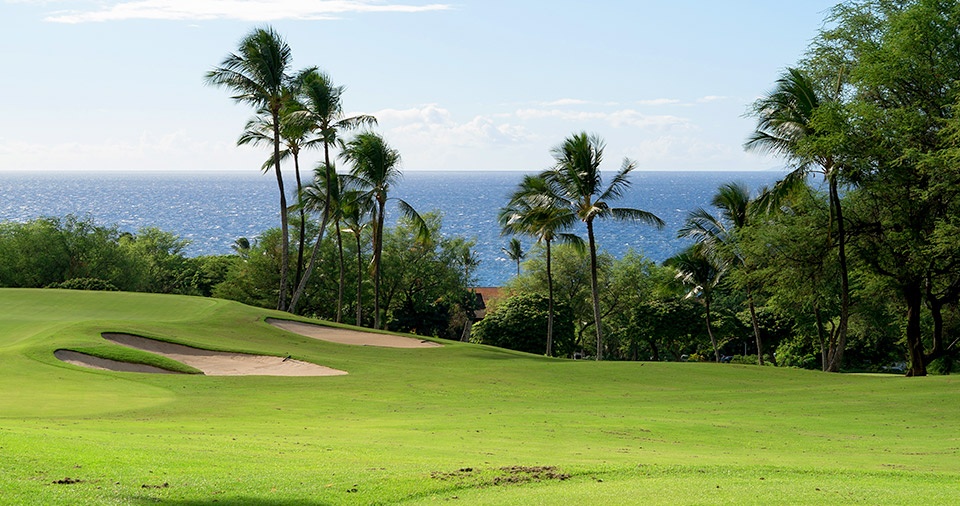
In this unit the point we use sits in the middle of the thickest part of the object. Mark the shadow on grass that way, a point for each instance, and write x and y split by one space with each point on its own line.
230 501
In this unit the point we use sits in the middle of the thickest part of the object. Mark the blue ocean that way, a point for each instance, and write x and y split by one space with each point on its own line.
213 209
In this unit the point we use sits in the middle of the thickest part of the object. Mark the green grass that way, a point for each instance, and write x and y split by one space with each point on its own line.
460 424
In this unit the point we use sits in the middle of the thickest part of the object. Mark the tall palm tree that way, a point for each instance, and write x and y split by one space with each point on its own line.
789 124
515 252
355 208
575 182
294 134
376 168
257 74
533 211
718 236
699 270
321 111
326 196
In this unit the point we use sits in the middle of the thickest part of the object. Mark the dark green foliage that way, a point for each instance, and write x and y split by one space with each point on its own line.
85 284
520 323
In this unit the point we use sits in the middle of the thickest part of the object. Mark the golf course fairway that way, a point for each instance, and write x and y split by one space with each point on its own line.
451 424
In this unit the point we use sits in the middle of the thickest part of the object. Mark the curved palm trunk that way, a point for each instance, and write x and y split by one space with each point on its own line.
336 223
549 304
835 360
302 284
285 241
594 289
713 340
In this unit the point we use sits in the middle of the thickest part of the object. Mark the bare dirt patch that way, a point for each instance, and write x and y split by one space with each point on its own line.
354 337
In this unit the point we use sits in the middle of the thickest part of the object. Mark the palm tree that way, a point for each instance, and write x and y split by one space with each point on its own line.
575 182
515 252
700 271
376 167
293 133
533 211
787 125
321 110
355 209
257 73
326 196
718 237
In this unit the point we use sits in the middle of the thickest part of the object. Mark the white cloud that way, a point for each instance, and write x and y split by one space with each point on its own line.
711 98
659 101
435 126
621 118
243 10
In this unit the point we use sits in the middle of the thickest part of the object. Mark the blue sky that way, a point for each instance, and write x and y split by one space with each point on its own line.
466 85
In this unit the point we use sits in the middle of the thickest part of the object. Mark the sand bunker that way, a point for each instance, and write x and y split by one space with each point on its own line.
105 364
343 336
212 363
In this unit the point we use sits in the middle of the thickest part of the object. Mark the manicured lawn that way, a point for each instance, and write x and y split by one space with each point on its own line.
460 424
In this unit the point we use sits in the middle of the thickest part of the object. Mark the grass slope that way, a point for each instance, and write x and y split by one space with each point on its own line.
463 423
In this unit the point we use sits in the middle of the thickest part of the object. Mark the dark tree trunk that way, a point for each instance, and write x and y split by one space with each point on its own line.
549 304
285 233
756 326
713 340
594 288
336 224
359 282
839 343
303 219
913 298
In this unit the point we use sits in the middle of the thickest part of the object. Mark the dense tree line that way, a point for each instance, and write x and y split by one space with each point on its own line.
852 260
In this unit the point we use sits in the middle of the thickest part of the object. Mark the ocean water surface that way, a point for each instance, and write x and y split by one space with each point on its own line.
213 209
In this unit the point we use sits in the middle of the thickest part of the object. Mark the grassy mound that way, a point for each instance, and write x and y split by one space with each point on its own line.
463 422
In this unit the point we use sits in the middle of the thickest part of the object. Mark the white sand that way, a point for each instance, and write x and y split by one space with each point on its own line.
212 363
342 336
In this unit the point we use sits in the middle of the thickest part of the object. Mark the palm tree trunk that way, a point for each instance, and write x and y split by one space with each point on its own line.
302 283
594 289
377 250
285 233
336 223
713 340
359 282
303 220
310 266
756 326
549 304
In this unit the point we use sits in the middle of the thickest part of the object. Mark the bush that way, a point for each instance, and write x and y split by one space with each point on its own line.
520 323
86 284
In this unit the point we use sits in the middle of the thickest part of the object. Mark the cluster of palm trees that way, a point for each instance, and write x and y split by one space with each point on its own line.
787 120
548 205
305 111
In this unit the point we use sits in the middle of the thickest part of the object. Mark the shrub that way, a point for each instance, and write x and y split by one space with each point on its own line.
520 323
85 284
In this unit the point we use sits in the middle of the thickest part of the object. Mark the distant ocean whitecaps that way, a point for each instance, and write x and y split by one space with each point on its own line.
213 209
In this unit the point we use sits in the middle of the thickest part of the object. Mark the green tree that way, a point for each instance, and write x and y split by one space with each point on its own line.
533 211
514 251
258 75
376 168
801 123
901 57
576 183
701 272
719 236
321 111
520 320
